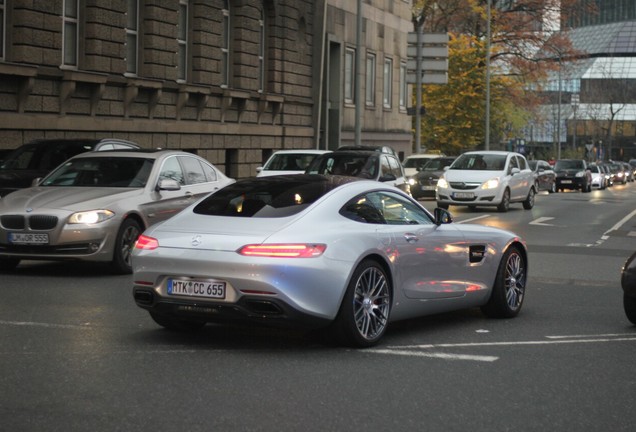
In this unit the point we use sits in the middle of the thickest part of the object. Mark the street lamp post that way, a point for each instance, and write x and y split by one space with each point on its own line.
575 105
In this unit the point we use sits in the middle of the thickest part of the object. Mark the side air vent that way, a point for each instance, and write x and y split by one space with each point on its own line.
476 253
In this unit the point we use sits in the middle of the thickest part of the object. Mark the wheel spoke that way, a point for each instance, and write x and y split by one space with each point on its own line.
371 303
514 281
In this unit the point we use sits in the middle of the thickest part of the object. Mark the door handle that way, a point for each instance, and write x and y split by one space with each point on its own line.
411 238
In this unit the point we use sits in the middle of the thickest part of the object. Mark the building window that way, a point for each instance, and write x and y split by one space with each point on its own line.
3 26
388 83
349 75
182 41
70 33
261 53
132 37
370 90
403 88
225 46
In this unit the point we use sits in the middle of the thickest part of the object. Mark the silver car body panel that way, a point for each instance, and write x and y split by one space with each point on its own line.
439 269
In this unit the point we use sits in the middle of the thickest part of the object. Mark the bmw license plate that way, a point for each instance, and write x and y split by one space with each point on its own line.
463 195
197 288
28 238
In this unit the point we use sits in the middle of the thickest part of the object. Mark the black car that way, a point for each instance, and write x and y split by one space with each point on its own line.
37 158
368 164
423 183
573 174
628 283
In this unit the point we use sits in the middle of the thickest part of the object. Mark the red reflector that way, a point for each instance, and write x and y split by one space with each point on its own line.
146 243
284 250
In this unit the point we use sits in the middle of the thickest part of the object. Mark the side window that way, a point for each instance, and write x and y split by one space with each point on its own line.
395 167
523 165
171 170
385 208
193 170
210 173
513 164
385 168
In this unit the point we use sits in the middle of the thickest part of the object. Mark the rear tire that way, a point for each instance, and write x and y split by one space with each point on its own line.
509 290
364 313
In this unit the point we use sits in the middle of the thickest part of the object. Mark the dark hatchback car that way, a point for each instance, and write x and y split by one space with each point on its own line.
37 158
367 164
573 174
423 183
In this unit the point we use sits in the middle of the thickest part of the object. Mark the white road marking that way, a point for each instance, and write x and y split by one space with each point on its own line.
474 219
46 325
541 220
434 355
422 350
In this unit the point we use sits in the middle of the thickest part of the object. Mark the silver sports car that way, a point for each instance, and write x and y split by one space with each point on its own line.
322 251
94 206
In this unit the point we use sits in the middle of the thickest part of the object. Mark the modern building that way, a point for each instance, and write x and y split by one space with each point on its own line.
593 99
232 80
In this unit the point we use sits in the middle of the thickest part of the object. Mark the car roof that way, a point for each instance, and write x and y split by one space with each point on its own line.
301 151
143 153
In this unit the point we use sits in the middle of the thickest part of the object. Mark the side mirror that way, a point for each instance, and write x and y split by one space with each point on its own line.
515 171
442 216
36 181
259 169
168 185
388 177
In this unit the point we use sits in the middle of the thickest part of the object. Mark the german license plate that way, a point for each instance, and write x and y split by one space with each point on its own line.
463 195
28 238
566 181
197 288
428 188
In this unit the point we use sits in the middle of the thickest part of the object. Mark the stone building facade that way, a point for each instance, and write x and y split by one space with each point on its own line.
231 80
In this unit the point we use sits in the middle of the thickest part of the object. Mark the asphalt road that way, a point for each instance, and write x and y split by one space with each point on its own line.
78 355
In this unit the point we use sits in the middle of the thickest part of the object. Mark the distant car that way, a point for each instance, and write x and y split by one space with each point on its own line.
37 158
487 178
609 176
544 176
628 283
312 251
424 182
367 164
618 172
288 162
95 205
599 177
573 174
629 171
413 163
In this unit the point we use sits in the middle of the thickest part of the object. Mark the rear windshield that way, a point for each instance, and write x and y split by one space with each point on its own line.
363 165
289 162
266 197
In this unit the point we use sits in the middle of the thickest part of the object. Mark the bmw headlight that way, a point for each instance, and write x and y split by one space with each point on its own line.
90 217
442 183
493 183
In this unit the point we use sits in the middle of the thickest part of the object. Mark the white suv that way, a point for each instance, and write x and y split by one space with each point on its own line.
487 178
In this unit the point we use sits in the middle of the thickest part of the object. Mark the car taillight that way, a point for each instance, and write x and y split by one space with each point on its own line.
146 243
295 250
